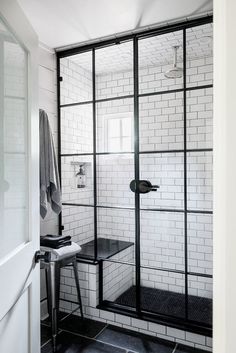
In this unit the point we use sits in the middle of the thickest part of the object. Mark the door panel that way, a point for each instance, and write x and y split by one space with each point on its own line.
19 184
9 327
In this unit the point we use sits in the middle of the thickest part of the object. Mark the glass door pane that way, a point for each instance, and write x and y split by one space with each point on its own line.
166 170
156 62
13 142
76 73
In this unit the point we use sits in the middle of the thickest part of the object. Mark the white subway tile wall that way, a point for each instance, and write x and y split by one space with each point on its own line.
116 224
167 171
200 286
162 240
200 118
200 243
200 180
114 173
161 122
77 129
168 281
112 82
118 277
76 85
78 222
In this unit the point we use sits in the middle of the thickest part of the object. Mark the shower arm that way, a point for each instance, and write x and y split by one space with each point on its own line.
175 48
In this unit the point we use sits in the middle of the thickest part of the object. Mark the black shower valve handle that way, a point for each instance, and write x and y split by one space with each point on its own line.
142 186
154 187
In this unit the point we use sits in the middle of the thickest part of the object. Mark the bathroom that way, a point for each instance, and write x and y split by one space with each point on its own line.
130 111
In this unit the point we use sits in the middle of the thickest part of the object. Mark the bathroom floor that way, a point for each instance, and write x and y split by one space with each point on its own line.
88 336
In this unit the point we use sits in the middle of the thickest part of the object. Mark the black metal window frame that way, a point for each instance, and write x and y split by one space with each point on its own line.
186 323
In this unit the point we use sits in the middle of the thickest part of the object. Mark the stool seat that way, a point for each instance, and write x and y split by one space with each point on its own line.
65 256
63 252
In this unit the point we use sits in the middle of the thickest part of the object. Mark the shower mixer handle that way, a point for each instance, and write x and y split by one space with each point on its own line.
142 186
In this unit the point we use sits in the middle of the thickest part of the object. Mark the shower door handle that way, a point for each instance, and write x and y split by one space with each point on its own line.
142 186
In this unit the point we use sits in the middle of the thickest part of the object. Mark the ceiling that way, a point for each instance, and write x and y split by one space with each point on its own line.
153 51
60 23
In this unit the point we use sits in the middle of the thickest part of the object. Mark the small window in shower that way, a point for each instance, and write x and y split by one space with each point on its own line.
118 133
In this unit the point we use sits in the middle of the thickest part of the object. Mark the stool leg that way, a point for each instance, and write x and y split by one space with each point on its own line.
78 287
53 277
48 293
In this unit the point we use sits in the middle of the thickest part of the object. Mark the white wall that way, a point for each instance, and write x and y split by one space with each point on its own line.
48 102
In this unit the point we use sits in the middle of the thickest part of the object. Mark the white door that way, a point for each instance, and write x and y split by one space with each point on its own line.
19 190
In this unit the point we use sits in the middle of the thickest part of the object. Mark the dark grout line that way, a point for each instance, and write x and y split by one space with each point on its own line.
103 329
175 348
44 344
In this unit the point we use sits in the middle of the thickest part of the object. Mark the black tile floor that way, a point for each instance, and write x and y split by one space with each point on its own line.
89 336
169 303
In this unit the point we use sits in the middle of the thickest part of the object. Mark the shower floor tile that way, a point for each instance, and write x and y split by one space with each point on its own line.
169 303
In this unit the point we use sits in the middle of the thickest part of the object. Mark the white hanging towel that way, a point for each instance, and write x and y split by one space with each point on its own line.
49 177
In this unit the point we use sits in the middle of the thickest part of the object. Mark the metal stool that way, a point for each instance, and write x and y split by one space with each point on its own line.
53 271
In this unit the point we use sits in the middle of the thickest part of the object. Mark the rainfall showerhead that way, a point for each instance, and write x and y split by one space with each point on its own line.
175 71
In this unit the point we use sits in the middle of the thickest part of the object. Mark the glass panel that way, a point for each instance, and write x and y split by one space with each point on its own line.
200 290
114 173
167 171
115 121
162 292
77 129
200 118
199 55
116 224
119 282
161 125
156 59
114 70
78 221
162 240
199 180
77 179
13 143
200 243
76 72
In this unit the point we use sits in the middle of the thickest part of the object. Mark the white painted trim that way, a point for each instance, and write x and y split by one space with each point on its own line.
224 177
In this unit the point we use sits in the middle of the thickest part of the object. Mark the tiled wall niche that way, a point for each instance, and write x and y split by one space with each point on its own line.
161 128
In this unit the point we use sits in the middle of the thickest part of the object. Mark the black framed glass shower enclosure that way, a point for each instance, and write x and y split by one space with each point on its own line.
135 159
